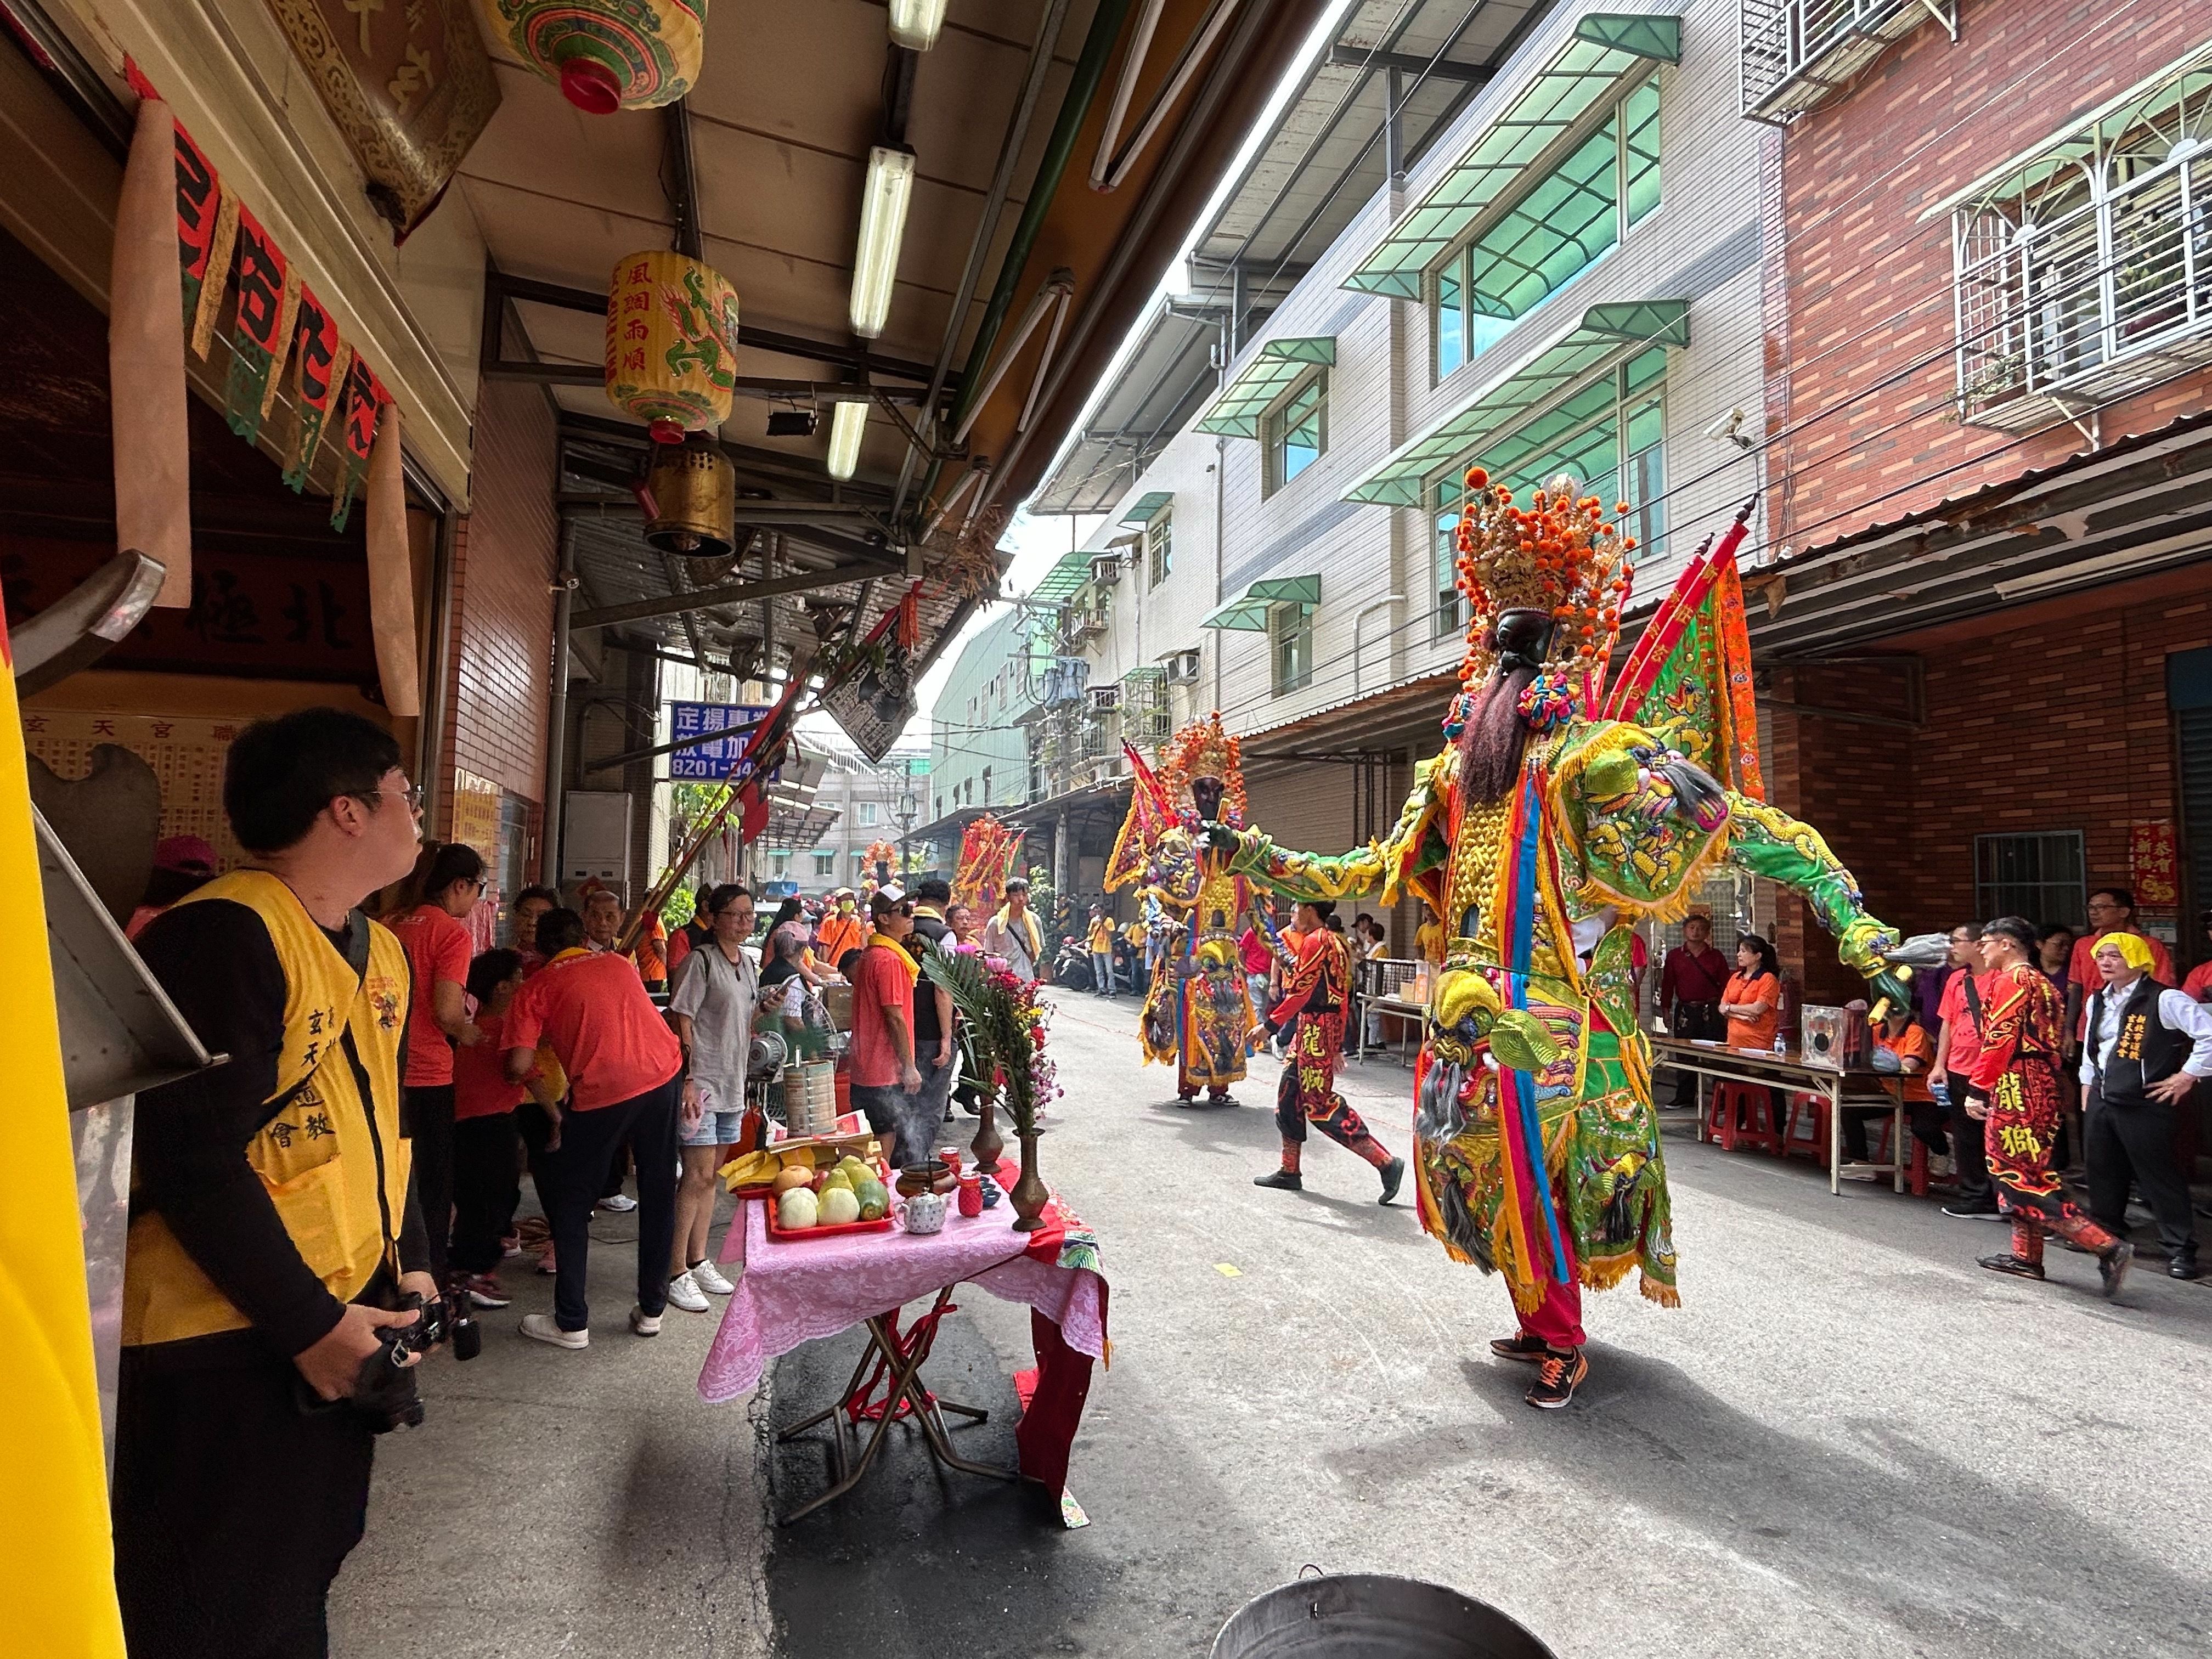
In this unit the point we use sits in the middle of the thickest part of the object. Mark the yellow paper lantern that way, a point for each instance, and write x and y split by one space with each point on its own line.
606 55
671 343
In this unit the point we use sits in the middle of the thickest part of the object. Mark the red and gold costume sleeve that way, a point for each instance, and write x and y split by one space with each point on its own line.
1319 976
2021 1022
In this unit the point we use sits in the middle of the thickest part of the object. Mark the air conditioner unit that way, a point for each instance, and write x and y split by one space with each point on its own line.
1182 668
1105 570
1104 699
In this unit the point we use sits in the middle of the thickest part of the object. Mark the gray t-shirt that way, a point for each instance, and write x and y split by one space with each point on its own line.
719 995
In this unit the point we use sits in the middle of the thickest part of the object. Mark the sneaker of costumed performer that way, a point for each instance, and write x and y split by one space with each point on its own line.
886 1082
716 991
2013 1093
436 938
625 1072
2149 1048
486 1146
274 1231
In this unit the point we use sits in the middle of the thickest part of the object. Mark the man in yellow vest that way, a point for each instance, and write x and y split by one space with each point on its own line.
273 1222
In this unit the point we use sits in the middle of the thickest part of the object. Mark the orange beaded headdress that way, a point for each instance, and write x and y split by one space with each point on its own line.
1559 554
1204 749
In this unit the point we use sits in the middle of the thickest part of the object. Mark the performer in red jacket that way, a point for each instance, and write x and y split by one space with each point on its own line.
1316 995
2013 1090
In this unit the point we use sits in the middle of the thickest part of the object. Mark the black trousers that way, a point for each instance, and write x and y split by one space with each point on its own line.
1968 1151
2134 1143
234 1508
1691 1020
487 1186
1926 1118
426 1117
570 1180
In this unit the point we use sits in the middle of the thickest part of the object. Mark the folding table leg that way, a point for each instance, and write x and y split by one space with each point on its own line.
902 1376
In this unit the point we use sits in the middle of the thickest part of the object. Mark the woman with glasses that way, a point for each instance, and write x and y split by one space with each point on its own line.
439 947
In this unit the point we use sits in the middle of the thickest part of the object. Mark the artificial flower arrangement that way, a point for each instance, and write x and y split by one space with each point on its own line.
1007 1028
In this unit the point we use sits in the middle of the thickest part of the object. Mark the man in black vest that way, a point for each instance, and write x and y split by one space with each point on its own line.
932 1004
2146 1046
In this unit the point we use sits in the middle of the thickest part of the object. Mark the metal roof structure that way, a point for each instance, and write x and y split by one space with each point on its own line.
1334 147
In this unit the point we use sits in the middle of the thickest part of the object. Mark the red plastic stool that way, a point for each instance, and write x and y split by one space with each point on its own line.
1916 1171
1815 1148
1759 1129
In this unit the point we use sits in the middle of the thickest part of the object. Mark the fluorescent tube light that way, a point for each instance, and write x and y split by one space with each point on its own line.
883 202
914 23
847 423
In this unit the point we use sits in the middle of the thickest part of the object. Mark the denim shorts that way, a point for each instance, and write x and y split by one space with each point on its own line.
715 1129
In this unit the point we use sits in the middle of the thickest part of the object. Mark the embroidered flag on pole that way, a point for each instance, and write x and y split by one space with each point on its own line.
268 294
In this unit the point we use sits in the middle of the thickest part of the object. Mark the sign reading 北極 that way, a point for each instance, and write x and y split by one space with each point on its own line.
715 758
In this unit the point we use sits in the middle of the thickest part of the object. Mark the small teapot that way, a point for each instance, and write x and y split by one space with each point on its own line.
922 1212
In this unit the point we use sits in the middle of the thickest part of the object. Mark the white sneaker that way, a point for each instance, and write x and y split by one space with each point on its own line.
540 1327
684 1294
708 1278
620 1203
643 1324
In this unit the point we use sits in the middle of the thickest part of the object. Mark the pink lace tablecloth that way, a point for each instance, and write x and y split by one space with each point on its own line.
788 1294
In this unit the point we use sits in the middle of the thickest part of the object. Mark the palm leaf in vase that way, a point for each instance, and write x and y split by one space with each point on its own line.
1005 1029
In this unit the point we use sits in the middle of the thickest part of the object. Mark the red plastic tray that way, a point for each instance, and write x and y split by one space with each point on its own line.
784 1236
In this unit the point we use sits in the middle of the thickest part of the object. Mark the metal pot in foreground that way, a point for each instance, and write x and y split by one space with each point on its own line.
1371 1616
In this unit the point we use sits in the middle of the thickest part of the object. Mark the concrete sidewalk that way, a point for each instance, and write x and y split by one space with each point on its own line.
566 1503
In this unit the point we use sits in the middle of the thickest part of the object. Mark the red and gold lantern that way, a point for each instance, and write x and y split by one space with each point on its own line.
606 55
671 343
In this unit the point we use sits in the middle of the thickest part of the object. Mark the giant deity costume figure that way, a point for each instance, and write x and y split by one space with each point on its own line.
1557 815
1197 1012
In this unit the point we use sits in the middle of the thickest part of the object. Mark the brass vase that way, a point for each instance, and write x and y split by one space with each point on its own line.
989 1145
1030 1193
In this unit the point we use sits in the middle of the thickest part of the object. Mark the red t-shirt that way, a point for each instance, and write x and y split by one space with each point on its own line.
480 1085
881 982
2081 967
592 1009
2199 982
1259 955
438 949
1965 1029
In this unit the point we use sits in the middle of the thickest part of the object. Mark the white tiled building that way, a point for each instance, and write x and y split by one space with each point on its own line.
1595 202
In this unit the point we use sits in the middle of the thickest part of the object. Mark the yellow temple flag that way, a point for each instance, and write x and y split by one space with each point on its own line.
57 1564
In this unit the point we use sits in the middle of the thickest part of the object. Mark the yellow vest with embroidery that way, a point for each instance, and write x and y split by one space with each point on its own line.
334 1165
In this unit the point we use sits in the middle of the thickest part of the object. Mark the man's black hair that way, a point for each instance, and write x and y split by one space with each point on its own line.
559 929
2123 897
1018 884
282 773
934 890
2019 929
490 970
850 963
535 891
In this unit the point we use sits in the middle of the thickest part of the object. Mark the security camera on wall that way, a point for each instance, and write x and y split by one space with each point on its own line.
1731 427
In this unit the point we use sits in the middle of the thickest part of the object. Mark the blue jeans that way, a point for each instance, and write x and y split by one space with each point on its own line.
1102 973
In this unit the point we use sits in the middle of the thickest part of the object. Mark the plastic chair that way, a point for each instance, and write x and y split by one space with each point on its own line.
1815 1147
1759 1129
1916 1171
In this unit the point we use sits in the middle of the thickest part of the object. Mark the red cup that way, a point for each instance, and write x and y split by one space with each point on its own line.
971 1193
951 1157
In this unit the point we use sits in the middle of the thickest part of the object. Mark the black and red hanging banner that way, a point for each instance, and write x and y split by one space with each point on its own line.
260 331
319 358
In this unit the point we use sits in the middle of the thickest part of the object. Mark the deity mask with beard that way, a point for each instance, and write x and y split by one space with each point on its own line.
1206 795
1492 745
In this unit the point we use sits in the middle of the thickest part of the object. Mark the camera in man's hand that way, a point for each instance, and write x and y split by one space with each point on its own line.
384 1390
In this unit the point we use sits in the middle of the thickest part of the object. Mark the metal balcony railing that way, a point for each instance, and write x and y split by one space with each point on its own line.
2090 276
1796 54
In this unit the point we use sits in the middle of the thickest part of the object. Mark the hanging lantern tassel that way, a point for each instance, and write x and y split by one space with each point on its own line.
909 618
146 361
392 573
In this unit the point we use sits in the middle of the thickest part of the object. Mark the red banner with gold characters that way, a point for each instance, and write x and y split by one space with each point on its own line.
2151 861
276 322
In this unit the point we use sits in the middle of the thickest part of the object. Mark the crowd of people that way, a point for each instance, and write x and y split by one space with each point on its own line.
308 1216
2035 1055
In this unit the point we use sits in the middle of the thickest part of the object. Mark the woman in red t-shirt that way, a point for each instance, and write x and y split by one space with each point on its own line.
486 1188
438 948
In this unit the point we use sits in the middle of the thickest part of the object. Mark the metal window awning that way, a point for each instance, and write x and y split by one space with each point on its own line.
1605 49
1606 334
1070 572
1146 507
1266 374
1247 611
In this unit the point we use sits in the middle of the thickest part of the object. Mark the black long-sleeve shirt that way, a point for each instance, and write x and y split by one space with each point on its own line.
217 963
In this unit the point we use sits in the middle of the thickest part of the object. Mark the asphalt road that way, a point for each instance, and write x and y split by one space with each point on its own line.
1849 1441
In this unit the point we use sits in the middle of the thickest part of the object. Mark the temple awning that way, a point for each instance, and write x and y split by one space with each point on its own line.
1247 611
1606 334
1271 372
1605 50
